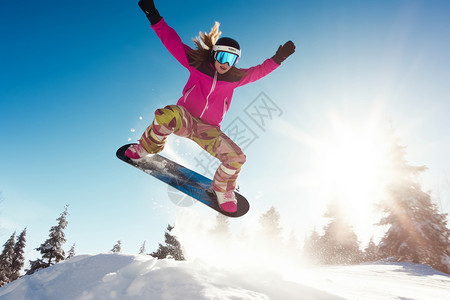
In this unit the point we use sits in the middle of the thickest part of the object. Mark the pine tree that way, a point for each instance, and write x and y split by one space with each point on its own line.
312 248
270 223
142 249
36 265
19 259
161 253
270 239
339 243
117 248
6 261
172 248
71 252
51 249
221 230
371 252
417 231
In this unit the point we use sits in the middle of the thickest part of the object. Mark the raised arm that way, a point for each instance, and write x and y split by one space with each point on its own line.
259 71
166 34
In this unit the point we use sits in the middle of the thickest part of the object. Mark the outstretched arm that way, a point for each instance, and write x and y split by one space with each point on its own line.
166 34
257 72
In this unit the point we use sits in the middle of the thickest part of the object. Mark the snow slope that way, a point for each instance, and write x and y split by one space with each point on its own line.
118 276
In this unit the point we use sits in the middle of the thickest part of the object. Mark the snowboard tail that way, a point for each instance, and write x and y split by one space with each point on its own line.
183 179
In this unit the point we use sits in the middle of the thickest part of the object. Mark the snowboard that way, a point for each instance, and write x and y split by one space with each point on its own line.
183 179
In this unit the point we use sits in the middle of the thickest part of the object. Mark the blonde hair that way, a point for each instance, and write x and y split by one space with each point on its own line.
205 43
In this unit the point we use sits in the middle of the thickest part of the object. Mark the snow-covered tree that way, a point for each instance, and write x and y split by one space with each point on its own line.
222 226
36 265
19 258
339 242
71 252
270 239
312 248
371 251
417 231
6 261
220 232
161 253
172 248
270 223
51 250
117 248
142 249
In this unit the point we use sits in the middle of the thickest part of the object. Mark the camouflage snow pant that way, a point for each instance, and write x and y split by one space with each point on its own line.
176 119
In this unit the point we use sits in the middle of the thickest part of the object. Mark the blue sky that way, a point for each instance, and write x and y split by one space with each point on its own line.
76 78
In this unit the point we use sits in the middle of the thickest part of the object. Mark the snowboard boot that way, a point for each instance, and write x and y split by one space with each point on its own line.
136 152
227 201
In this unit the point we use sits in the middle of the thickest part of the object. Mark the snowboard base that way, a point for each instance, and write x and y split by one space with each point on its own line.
183 179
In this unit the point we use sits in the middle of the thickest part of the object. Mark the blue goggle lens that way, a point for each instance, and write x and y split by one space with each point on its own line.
226 57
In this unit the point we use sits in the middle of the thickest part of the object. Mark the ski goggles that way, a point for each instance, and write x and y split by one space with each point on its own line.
226 57
224 54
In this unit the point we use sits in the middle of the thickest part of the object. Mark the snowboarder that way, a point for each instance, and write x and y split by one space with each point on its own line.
206 99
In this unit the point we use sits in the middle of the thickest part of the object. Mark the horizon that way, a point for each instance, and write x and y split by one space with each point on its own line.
79 81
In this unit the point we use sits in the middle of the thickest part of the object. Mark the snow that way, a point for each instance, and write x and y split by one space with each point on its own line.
119 276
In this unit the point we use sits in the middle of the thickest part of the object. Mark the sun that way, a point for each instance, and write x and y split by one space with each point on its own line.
349 163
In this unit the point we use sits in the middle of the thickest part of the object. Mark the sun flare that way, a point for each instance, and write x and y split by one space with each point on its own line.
349 165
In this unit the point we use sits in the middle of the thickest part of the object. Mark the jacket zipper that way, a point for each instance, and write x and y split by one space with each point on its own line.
188 92
207 97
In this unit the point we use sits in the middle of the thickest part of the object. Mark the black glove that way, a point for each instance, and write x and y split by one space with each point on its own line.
148 7
283 52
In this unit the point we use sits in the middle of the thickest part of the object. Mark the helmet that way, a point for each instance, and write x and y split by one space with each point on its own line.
226 50
226 41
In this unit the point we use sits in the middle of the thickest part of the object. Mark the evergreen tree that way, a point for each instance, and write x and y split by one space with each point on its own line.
71 252
51 249
172 248
270 240
417 231
221 229
6 261
312 248
19 259
371 252
117 248
142 249
161 253
36 265
339 243
270 223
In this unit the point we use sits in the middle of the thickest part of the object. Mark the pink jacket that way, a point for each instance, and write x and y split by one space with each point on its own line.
207 94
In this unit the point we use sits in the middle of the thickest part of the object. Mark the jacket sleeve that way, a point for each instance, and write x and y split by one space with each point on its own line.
172 42
258 72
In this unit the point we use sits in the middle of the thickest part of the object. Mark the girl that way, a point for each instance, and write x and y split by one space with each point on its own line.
205 100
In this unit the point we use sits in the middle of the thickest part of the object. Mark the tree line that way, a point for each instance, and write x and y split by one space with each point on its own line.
416 232
171 249
12 258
